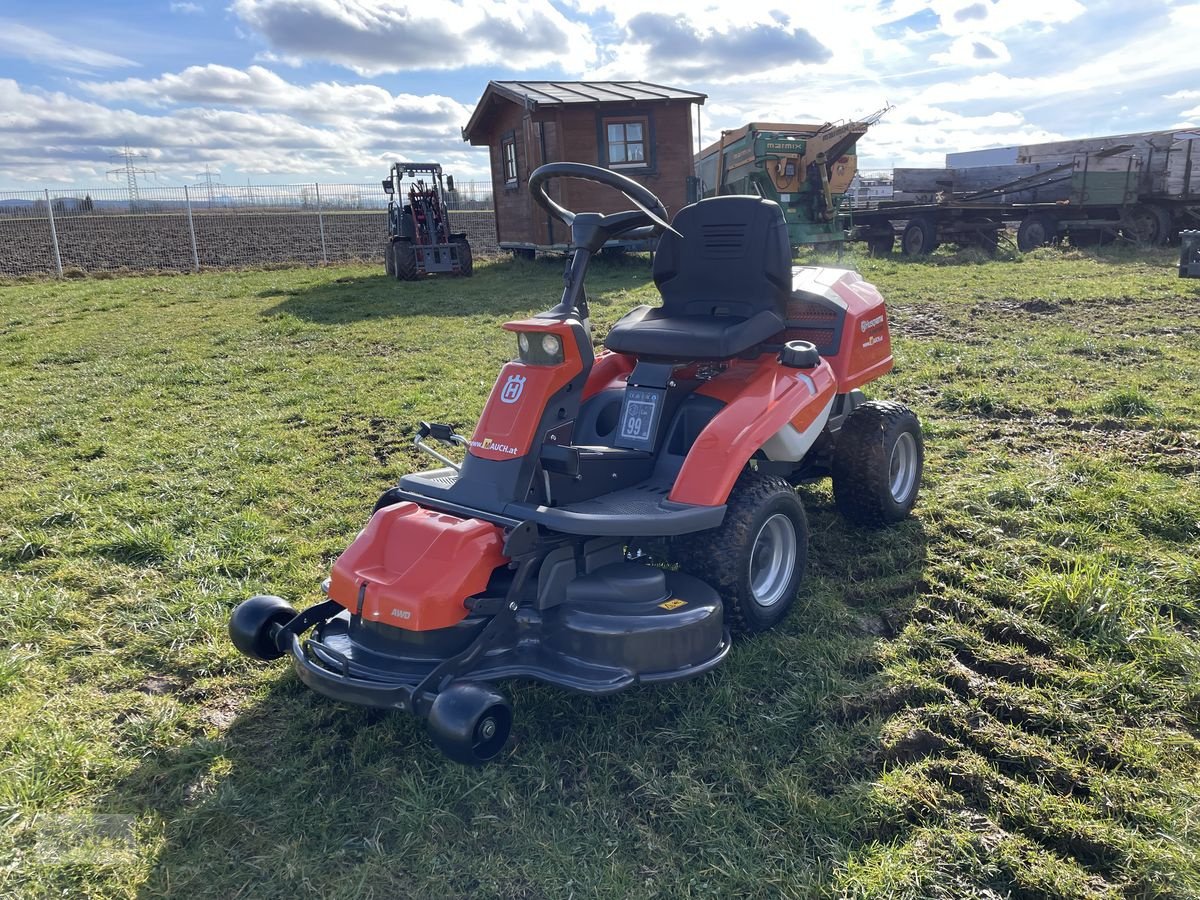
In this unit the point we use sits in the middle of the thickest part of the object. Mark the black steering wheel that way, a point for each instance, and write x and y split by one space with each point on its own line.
648 219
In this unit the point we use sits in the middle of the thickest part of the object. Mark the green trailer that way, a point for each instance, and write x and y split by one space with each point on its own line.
806 169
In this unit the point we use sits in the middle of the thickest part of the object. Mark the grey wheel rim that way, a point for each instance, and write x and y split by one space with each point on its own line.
902 470
772 560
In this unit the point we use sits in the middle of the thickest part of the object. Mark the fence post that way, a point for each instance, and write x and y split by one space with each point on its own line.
53 235
321 225
191 230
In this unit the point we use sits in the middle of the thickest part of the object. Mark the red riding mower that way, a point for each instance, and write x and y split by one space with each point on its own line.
526 560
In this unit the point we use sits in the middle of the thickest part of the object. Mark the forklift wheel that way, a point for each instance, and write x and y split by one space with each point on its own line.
252 625
469 722
877 463
466 266
404 260
756 557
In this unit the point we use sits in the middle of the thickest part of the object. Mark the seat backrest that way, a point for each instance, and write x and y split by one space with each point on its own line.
734 259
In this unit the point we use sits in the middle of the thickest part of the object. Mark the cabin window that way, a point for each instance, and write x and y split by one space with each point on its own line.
627 143
508 159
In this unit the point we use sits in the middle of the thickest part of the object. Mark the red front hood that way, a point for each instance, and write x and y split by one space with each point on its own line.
413 567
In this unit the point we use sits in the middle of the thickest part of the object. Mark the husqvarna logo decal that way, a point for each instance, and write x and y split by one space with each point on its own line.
511 392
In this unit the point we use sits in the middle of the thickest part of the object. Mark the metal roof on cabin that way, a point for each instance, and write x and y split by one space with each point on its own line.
532 94
555 93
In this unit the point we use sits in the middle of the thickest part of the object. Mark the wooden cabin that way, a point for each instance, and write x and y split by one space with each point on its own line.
638 129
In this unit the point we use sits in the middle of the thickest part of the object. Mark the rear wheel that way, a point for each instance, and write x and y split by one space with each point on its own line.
756 558
920 236
1150 225
466 265
1035 231
389 260
881 245
877 463
404 260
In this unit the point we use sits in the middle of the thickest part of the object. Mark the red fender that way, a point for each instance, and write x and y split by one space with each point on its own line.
760 397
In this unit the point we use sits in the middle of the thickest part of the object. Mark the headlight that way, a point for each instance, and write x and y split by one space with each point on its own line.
539 348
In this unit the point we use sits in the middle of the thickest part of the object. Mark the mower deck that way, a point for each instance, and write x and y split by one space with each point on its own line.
623 624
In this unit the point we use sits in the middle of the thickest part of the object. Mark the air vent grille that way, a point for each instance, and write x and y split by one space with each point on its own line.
726 240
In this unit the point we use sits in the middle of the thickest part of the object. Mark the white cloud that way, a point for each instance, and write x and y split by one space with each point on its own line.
1183 95
52 136
186 8
375 36
974 50
22 42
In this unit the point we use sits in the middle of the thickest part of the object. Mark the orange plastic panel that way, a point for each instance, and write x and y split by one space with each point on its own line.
508 426
866 351
760 398
417 567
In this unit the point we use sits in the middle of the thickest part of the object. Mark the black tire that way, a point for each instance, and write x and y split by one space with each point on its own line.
1151 225
733 560
879 438
466 265
1037 230
252 625
389 260
404 260
524 253
920 236
881 245
470 722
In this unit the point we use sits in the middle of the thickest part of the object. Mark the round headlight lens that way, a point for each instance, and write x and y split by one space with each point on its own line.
523 342
551 344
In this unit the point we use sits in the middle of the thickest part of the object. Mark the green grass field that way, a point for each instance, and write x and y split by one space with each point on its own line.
998 698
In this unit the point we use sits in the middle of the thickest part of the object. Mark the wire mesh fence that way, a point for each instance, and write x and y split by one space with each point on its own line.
209 226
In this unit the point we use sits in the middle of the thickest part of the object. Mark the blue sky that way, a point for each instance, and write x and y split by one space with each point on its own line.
331 90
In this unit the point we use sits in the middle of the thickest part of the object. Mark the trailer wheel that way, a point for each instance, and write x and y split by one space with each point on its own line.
881 245
1150 225
466 265
920 236
1035 231
756 557
404 260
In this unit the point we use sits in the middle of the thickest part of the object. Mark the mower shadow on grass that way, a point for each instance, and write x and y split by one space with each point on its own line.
300 795
500 288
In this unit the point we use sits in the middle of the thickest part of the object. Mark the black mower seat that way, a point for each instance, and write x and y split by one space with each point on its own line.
724 284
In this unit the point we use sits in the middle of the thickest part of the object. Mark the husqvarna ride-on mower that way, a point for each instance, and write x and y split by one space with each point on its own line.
694 425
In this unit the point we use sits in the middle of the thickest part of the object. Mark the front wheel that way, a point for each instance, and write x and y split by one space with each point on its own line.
254 624
756 557
466 265
877 463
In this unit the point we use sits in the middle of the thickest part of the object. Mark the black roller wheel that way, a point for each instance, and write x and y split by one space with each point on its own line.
253 625
920 236
756 558
881 245
469 722
1035 231
877 463
466 265
404 260
389 260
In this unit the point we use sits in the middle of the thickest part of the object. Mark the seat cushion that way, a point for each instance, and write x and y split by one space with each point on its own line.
646 332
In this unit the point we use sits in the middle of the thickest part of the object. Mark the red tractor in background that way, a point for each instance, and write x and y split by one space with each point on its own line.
419 236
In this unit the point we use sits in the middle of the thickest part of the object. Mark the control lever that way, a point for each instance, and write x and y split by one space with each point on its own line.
443 434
